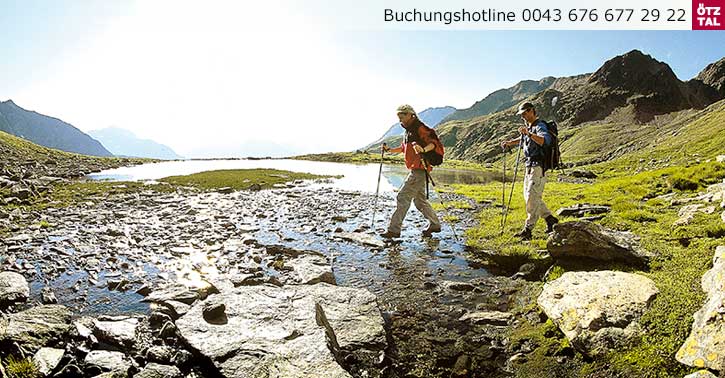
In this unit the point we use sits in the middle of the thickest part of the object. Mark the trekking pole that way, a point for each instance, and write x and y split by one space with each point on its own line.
440 198
553 105
513 182
503 190
380 173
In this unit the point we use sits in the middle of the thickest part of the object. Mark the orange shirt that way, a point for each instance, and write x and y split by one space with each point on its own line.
412 159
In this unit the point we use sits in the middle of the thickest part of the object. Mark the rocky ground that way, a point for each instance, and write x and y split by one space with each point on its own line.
193 283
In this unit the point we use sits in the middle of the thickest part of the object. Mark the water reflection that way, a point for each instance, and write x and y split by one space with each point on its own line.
359 177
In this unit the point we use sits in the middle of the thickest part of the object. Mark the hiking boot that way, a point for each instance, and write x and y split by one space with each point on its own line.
550 222
428 232
524 234
390 235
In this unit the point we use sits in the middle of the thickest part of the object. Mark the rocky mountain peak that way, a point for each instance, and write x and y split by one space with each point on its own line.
714 76
633 71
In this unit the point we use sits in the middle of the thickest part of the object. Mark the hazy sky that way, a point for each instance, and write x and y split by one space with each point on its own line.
242 78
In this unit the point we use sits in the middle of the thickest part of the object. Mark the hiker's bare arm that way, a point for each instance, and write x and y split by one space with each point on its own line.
429 147
395 150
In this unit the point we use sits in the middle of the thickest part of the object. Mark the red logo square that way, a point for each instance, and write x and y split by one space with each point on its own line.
708 14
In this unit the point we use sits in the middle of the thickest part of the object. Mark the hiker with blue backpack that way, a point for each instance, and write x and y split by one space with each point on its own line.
537 144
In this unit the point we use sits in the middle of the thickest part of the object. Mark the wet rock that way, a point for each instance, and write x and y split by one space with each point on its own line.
457 286
213 311
160 353
255 187
47 359
308 269
583 210
225 190
36 327
47 296
590 240
108 361
173 292
257 340
705 346
154 370
597 311
13 288
487 317
360 238
117 331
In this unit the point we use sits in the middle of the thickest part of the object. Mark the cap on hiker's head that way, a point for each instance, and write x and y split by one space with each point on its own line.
405 109
524 107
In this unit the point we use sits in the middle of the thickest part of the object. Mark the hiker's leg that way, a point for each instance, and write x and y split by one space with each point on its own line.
527 197
421 203
544 211
405 195
535 191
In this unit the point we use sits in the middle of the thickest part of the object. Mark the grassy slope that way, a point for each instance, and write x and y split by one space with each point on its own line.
629 184
17 151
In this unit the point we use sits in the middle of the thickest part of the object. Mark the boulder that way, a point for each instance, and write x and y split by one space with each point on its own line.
154 370
116 331
47 359
720 158
293 331
590 240
36 327
583 210
597 311
705 346
13 288
108 361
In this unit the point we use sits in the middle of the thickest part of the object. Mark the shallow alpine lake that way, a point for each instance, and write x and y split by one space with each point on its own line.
358 177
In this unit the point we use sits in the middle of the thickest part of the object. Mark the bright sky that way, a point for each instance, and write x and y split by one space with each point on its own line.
240 78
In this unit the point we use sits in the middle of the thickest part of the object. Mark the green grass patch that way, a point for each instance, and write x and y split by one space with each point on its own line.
21 368
239 178
684 253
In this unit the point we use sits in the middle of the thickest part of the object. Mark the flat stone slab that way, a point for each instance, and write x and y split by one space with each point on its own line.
705 346
488 317
361 238
597 311
36 327
292 331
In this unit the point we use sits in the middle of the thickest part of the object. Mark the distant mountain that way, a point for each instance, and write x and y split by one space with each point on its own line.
502 99
122 142
430 116
47 131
